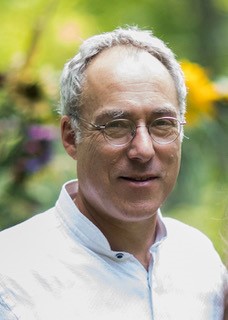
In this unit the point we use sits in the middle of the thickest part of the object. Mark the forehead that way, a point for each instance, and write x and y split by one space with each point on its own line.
127 76
124 60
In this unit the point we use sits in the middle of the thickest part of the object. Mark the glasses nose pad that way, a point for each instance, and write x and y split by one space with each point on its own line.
133 132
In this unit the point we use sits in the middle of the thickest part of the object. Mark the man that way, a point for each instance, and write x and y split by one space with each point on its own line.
105 251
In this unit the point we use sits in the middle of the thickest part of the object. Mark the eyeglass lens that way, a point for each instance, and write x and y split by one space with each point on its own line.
162 130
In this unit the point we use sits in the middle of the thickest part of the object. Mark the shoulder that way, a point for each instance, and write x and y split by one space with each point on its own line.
20 240
177 230
31 223
188 266
190 246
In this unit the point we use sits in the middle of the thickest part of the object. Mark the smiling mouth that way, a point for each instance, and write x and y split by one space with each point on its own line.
139 179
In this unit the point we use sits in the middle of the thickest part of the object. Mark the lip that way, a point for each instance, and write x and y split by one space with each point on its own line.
139 180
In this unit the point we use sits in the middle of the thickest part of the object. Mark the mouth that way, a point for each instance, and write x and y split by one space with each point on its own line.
139 179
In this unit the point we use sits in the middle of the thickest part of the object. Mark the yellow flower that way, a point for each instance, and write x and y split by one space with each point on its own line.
202 93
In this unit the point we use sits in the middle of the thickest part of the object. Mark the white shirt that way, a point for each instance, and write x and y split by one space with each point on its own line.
59 266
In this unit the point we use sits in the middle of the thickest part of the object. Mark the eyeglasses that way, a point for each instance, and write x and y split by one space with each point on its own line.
120 132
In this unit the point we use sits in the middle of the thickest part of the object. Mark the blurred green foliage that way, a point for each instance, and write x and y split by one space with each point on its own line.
38 36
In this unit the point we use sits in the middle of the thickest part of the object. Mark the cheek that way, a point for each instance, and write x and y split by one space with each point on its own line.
87 161
174 160
87 148
95 159
170 158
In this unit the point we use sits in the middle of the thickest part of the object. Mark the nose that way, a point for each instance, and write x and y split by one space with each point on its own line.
141 147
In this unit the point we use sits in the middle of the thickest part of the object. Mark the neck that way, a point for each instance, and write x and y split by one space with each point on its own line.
135 237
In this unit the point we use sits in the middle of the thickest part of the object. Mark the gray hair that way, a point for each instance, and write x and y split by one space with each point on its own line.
73 75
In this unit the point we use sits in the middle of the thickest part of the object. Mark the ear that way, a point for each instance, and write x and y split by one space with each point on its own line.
68 137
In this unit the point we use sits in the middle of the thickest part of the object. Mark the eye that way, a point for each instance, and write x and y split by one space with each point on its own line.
164 128
117 124
164 123
118 128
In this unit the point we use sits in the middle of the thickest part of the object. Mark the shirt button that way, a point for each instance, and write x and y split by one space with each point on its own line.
119 255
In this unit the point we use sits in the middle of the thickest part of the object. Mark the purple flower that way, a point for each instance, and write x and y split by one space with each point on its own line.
37 150
41 132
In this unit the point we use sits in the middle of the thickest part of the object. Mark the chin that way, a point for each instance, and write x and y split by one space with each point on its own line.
139 213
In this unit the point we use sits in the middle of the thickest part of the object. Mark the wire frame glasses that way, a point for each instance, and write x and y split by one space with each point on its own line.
120 132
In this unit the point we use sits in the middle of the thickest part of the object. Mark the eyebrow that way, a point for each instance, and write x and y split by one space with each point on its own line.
168 109
165 110
112 114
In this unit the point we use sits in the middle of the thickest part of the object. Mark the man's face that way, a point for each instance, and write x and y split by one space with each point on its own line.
127 183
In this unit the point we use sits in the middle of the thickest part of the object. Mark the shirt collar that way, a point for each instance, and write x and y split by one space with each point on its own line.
83 230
